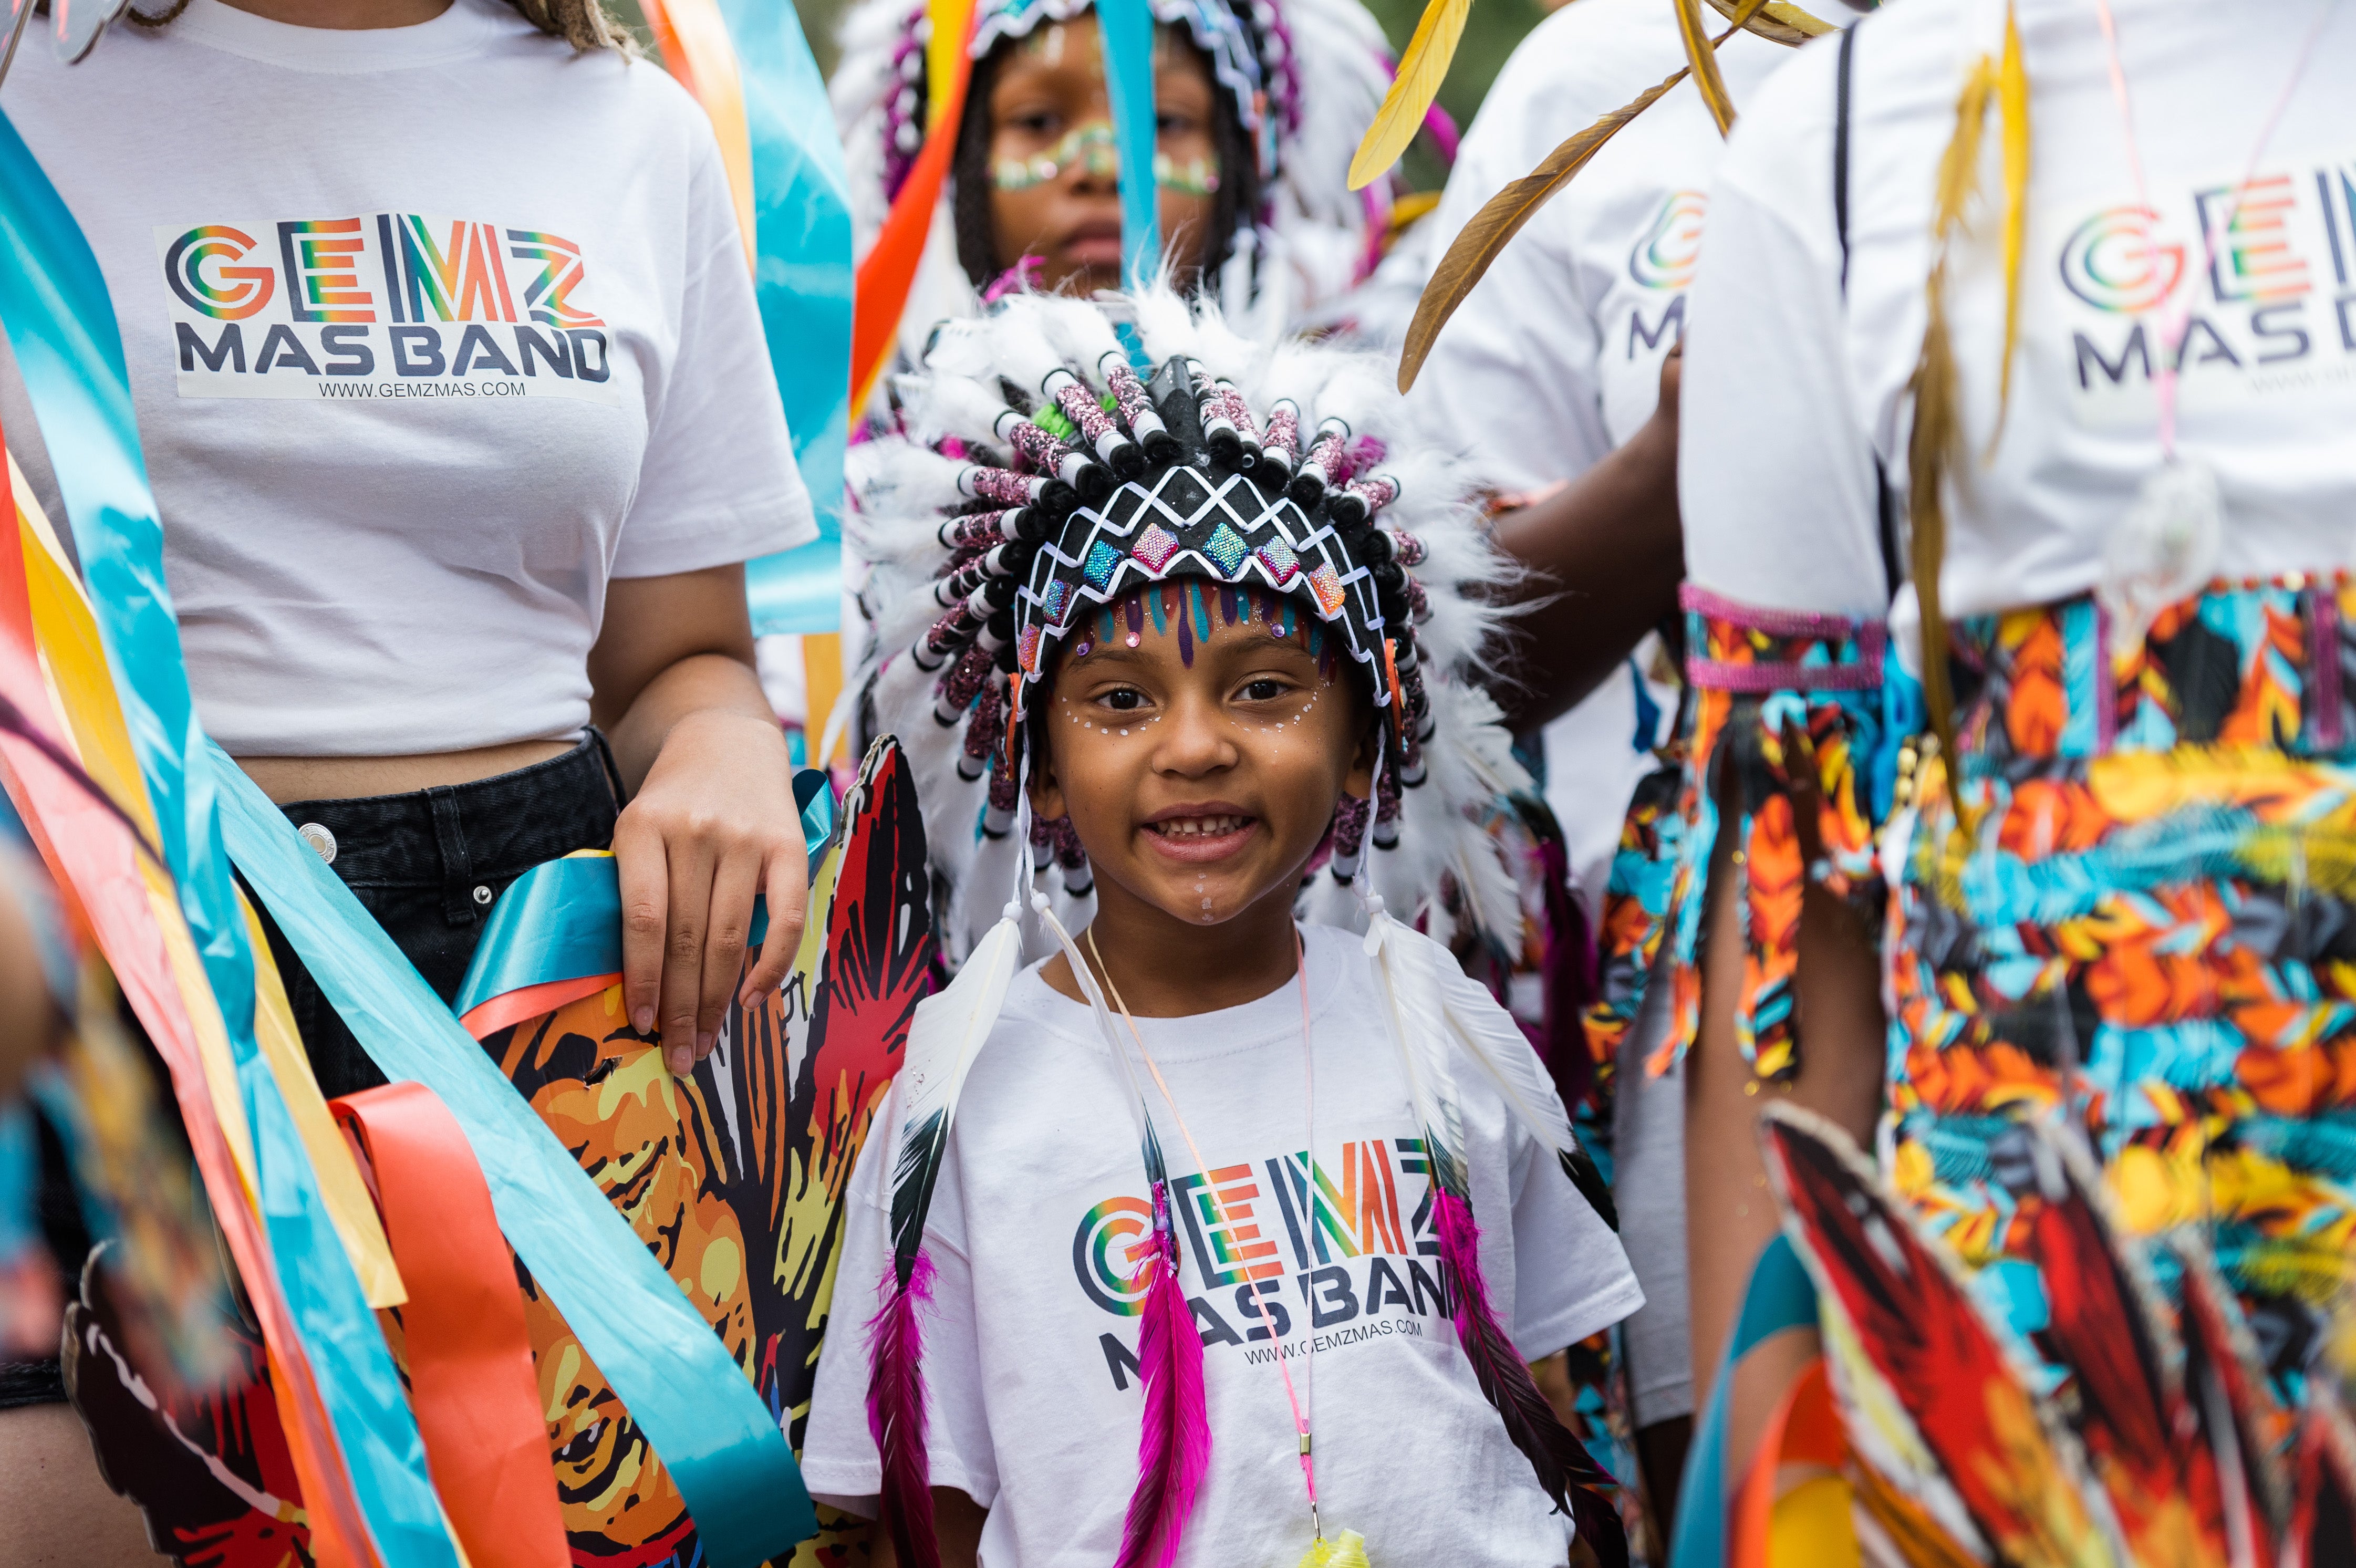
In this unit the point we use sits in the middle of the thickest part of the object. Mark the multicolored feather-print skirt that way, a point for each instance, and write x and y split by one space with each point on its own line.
1784 716
2152 928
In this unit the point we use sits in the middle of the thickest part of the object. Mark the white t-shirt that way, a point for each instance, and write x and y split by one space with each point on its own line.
1033 1399
1554 359
1788 395
416 319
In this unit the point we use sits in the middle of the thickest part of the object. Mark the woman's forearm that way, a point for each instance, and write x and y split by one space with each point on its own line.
714 684
1605 554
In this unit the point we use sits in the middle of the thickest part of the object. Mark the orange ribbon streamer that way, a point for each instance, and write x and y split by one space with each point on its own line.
889 269
470 1368
532 1002
93 854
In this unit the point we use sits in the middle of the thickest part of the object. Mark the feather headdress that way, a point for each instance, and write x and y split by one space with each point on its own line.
1294 473
1305 75
1047 466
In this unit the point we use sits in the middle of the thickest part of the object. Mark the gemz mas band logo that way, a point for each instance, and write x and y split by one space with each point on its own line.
392 305
1666 252
224 293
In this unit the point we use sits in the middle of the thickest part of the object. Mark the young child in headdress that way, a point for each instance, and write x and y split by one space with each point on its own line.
1222 1235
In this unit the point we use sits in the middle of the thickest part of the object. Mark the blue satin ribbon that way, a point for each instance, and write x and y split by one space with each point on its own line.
562 919
61 323
1126 29
802 279
1780 1296
726 1454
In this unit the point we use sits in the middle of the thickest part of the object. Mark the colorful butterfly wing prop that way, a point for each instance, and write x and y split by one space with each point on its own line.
2128 1405
2240 1425
876 965
1916 1334
2323 1510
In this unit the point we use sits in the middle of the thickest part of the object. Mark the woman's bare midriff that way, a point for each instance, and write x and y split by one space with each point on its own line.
289 779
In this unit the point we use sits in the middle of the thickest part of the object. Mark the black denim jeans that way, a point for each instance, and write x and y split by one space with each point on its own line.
428 866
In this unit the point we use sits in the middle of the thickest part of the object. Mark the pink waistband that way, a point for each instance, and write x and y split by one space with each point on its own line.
1723 675
1780 623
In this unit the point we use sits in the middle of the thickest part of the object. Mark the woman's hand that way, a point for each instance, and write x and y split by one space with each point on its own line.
712 820
714 824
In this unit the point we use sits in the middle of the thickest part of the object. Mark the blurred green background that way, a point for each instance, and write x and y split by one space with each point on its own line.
1490 34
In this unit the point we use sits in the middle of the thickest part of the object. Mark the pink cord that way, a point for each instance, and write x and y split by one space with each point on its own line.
1308 1070
2179 321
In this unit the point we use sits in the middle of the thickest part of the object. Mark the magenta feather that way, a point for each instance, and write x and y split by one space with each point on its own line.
895 1411
1174 1451
1561 1461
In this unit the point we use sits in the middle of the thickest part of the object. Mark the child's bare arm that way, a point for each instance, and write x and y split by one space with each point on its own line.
957 1525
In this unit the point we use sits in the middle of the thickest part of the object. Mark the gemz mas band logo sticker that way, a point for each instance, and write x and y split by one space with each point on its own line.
390 306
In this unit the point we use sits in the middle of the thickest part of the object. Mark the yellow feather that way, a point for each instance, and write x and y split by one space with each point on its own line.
2012 100
949 19
1779 22
1702 56
1420 71
1501 217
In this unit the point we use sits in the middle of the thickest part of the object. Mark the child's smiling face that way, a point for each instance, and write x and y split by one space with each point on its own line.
1200 758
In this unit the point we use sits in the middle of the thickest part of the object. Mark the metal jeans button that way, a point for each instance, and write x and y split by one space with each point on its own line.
319 839
482 894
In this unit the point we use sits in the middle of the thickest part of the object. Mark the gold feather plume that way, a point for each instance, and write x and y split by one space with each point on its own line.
1778 22
1938 427
2012 101
1501 217
1701 58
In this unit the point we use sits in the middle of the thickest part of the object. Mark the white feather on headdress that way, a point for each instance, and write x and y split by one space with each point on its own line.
900 490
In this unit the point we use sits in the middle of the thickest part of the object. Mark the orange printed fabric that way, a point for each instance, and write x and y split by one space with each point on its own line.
1786 707
2152 932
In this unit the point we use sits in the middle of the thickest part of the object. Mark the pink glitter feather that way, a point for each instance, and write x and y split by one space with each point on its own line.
1562 1464
895 1411
1174 1453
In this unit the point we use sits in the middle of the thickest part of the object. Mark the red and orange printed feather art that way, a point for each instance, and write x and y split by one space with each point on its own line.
732 1176
1915 1359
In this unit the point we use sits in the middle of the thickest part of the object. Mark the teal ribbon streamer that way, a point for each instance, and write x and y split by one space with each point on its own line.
1125 28
716 1437
1780 1296
562 919
802 279
61 323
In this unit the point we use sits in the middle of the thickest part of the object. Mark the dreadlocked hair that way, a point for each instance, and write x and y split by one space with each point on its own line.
583 23
1049 484
1235 206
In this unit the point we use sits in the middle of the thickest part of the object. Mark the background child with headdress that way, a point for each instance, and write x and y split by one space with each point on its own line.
1214 628
1262 101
